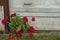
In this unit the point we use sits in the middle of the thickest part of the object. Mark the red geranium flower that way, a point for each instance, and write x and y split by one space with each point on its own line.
10 36
31 29
13 15
4 21
18 35
25 19
31 35
33 19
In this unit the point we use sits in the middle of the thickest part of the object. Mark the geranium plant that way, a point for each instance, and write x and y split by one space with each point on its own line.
19 24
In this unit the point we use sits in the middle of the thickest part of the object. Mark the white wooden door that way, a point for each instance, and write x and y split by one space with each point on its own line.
46 12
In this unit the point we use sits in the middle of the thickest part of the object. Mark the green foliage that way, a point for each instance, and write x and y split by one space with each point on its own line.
36 37
17 22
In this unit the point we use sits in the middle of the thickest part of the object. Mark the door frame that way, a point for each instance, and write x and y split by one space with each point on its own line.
5 4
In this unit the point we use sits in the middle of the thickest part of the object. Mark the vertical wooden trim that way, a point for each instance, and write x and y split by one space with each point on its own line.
6 14
1 2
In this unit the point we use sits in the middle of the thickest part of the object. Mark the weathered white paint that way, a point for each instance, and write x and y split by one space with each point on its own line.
42 22
35 3
2 27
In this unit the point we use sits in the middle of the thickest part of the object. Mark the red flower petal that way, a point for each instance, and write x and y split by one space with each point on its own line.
10 36
13 15
31 29
25 19
18 35
4 21
31 35
33 19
